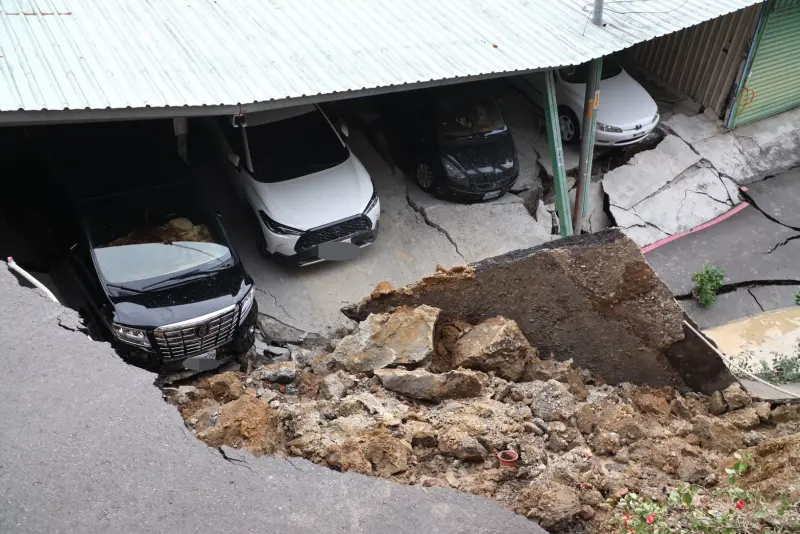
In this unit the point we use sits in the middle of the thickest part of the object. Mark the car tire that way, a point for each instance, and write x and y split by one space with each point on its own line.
423 175
568 126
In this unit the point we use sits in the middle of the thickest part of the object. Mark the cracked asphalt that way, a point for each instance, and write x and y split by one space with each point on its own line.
417 233
758 248
88 445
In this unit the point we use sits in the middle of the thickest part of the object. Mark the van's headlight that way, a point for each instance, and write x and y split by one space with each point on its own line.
607 128
247 305
655 117
134 336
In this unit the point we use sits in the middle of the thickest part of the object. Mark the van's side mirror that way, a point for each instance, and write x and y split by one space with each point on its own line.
234 159
345 130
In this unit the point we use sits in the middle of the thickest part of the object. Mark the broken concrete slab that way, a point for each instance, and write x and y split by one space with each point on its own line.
591 298
642 234
778 197
647 172
56 437
403 337
726 155
424 385
596 218
695 128
772 145
467 225
698 196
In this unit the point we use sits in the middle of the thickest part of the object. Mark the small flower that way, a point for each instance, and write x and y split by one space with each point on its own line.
651 519
627 519
740 504
622 492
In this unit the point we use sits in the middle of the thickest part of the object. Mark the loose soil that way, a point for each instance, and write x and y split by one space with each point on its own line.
580 442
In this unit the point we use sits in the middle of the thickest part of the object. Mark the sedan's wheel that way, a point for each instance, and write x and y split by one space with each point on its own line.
568 124
424 176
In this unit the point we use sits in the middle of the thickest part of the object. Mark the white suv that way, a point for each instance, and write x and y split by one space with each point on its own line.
312 197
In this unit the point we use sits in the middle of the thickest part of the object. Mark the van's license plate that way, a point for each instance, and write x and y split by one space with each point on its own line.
490 196
202 362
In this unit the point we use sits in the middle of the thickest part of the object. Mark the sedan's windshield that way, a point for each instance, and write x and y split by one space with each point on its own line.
294 147
580 74
139 241
463 116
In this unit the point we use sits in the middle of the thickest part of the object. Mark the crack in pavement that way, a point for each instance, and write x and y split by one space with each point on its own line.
234 461
729 288
753 203
277 304
782 243
419 209
709 196
755 299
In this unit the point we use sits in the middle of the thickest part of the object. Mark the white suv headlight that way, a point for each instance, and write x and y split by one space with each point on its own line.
247 305
133 336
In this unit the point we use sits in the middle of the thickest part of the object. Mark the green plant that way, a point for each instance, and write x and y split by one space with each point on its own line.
797 297
727 510
781 369
707 284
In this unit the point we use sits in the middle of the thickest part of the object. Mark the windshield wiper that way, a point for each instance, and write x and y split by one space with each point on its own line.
188 274
124 288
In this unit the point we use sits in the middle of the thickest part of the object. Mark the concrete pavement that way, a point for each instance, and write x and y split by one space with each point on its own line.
88 445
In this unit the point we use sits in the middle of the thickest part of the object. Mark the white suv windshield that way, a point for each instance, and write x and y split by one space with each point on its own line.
128 263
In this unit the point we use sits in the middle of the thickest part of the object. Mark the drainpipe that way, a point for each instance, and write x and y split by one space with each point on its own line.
588 129
597 13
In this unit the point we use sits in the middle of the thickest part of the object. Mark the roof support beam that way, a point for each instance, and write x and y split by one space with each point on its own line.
588 130
557 155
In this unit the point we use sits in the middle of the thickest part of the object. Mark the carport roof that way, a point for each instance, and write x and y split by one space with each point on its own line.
137 58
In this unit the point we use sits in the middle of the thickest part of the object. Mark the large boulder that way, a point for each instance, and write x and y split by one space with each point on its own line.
553 504
456 443
278 373
225 387
403 337
423 385
244 423
496 344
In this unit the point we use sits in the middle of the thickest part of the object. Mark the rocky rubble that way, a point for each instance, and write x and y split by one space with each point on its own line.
423 403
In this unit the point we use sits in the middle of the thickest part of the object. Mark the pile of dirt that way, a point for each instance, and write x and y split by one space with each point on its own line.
422 403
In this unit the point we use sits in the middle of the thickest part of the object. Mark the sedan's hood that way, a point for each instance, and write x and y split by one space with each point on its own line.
188 300
624 103
487 162
320 198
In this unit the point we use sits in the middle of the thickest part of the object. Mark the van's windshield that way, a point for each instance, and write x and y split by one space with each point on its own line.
294 147
139 240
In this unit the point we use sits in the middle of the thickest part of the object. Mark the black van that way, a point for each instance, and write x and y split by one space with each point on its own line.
159 277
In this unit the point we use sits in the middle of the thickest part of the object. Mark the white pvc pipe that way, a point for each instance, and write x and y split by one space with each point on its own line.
16 268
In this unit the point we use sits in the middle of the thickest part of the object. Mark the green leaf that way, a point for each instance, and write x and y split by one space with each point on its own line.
687 498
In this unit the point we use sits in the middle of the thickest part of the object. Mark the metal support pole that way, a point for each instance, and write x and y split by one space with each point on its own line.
588 129
557 155
597 13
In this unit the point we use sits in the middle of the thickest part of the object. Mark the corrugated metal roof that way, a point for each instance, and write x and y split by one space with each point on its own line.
110 54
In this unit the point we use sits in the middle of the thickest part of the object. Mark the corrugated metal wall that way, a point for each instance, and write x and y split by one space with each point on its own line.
703 62
773 83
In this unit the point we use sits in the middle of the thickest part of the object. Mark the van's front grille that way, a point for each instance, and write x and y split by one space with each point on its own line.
190 338
335 232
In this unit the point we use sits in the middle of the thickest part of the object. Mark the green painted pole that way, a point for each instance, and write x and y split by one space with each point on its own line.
557 155
588 130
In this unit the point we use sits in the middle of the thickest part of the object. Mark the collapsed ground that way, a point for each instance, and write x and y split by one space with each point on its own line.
421 403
